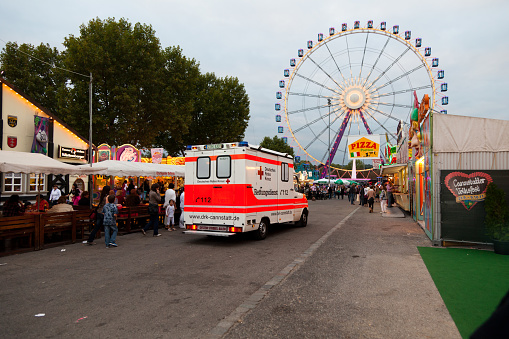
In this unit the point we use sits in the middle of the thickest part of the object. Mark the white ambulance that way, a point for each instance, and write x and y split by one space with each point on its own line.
235 187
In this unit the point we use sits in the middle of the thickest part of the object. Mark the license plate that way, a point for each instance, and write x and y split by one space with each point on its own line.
213 228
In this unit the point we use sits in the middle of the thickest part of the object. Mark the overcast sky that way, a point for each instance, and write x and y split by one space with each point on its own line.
254 40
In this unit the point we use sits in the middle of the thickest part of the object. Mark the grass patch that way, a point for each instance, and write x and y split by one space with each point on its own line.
471 283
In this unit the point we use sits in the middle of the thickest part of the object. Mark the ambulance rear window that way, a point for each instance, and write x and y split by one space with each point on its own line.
203 168
224 167
285 175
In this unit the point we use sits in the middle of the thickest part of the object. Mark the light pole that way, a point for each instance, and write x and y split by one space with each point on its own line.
328 169
90 119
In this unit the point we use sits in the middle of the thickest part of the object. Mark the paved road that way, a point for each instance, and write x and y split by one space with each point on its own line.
361 277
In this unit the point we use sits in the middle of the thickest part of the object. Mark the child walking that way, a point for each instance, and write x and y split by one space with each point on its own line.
170 213
110 212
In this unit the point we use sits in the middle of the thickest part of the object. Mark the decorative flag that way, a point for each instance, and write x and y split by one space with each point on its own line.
40 143
157 155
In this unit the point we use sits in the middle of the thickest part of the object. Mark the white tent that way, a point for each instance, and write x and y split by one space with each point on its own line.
24 162
137 169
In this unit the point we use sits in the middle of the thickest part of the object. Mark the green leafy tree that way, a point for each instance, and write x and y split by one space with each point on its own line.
276 144
34 70
125 62
358 165
220 114
180 78
142 94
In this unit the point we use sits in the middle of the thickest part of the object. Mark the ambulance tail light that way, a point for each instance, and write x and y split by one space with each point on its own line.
192 227
235 229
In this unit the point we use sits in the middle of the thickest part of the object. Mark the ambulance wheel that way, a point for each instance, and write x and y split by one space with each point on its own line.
303 219
261 232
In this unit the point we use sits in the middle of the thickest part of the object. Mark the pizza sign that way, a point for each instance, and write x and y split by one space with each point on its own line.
364 147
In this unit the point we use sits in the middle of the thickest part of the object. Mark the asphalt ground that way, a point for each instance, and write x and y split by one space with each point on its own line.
348 274
365 280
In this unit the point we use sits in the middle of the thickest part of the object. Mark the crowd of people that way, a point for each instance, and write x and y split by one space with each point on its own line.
364 194
111 201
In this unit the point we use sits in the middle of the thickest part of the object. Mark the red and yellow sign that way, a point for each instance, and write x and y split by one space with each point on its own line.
364 147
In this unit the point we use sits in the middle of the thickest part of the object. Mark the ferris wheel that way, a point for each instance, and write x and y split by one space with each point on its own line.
355 81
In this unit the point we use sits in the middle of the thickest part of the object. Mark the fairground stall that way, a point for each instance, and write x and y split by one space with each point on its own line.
125 164
396 169
453 161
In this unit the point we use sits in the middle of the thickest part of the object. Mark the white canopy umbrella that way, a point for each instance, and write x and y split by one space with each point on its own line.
137 169
323 181
24 162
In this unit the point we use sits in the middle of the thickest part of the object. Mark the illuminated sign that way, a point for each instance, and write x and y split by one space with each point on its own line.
71 152
364 147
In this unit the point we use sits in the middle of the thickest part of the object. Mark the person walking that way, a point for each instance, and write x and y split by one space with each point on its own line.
110 212
383 200
351 194
54 195
169 195
153 209
99 216
389 194
371 198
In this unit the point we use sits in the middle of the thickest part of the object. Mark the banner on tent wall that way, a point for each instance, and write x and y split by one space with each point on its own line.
40 143
128 153
364 146
103 152
157 155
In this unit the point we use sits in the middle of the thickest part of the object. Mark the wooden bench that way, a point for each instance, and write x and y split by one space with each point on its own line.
83 220
21 227
58 223
129 218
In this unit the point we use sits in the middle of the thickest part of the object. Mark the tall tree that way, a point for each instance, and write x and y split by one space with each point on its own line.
125 62
34 71
220 114
142 94
180 77
276 144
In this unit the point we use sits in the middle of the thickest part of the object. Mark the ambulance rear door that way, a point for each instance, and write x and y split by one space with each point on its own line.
285 191
223 187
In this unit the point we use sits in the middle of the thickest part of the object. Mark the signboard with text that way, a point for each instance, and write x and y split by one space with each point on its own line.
71 153
364 146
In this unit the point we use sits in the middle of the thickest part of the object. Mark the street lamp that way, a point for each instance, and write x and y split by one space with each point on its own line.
90 118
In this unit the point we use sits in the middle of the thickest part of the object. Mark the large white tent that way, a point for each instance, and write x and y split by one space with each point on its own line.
24 162
137 169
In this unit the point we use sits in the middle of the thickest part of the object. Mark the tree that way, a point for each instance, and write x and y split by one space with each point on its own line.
37 76
142 94
220 114
276 144
180 77
358 165
125 62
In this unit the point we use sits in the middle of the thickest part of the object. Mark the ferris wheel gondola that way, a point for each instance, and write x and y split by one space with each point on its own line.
355 81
